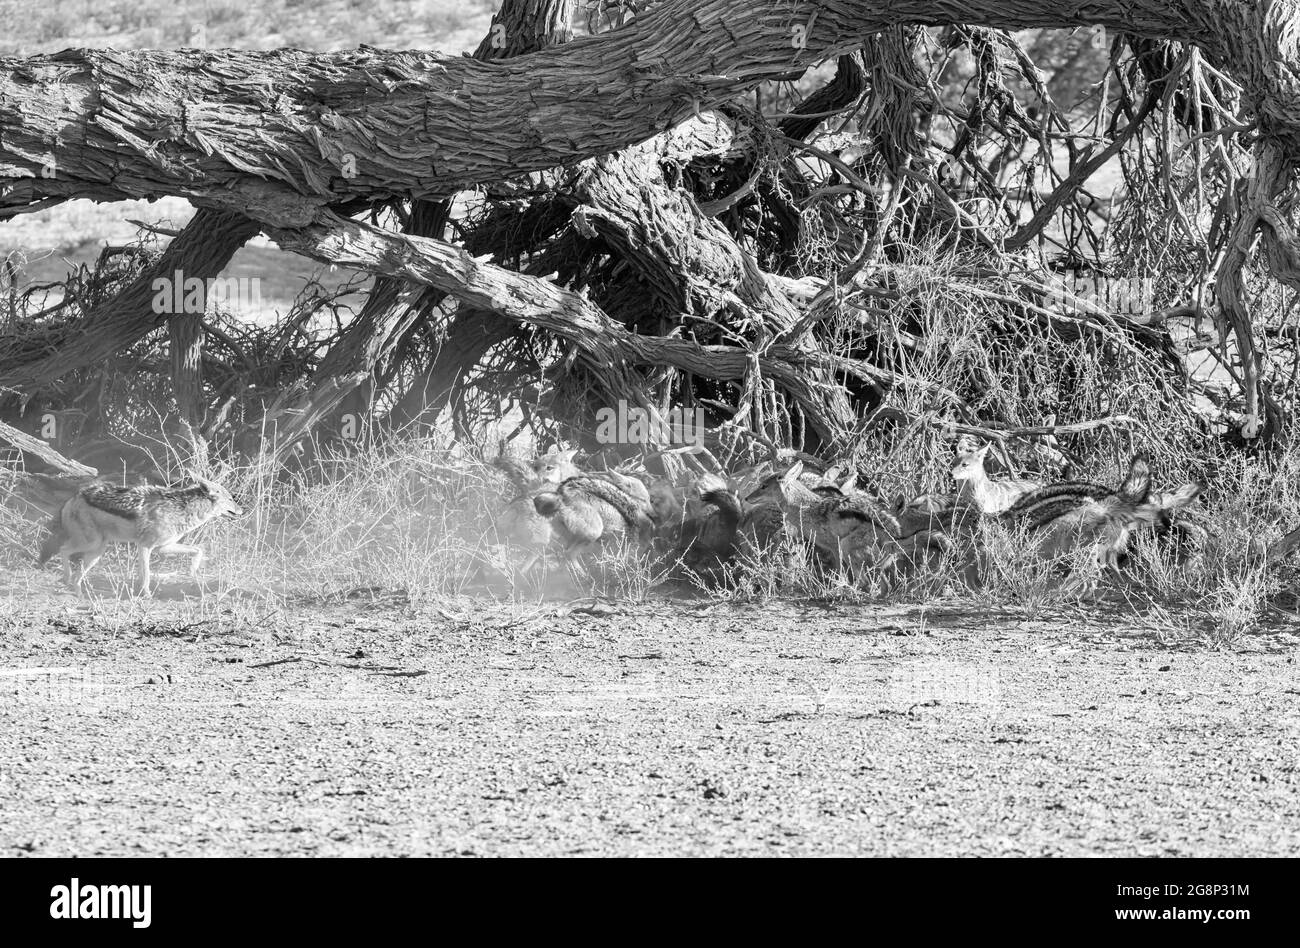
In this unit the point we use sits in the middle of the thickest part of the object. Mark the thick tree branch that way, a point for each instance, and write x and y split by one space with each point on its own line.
608 350
283 134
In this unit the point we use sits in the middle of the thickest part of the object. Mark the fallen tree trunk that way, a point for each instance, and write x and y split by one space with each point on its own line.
281 135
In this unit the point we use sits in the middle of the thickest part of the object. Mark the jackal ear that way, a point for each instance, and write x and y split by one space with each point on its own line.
850 481
792 473
209 487
832 474
1181 497
566 457
1137 485
707 482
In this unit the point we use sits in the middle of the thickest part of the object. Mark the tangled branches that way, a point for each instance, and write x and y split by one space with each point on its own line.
1076 194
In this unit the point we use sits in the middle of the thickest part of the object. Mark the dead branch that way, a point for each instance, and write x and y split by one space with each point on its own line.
35 446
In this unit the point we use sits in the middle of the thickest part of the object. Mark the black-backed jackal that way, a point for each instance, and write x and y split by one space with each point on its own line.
1071 514
150 518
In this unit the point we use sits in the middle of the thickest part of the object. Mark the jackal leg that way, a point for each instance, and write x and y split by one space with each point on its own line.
193 552
146 557
87 559
1111 546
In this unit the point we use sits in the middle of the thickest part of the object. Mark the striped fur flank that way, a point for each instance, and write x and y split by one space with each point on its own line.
1047 503
846 509
1068 515
708 539
635 510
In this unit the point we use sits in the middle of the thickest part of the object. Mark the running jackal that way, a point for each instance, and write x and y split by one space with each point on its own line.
1073 513
151 518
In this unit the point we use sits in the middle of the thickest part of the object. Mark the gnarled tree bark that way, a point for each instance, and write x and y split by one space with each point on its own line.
284 134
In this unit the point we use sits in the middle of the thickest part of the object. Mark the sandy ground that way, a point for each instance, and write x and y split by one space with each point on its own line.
471 728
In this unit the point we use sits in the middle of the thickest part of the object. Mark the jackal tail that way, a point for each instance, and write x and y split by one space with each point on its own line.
728 504
516 471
